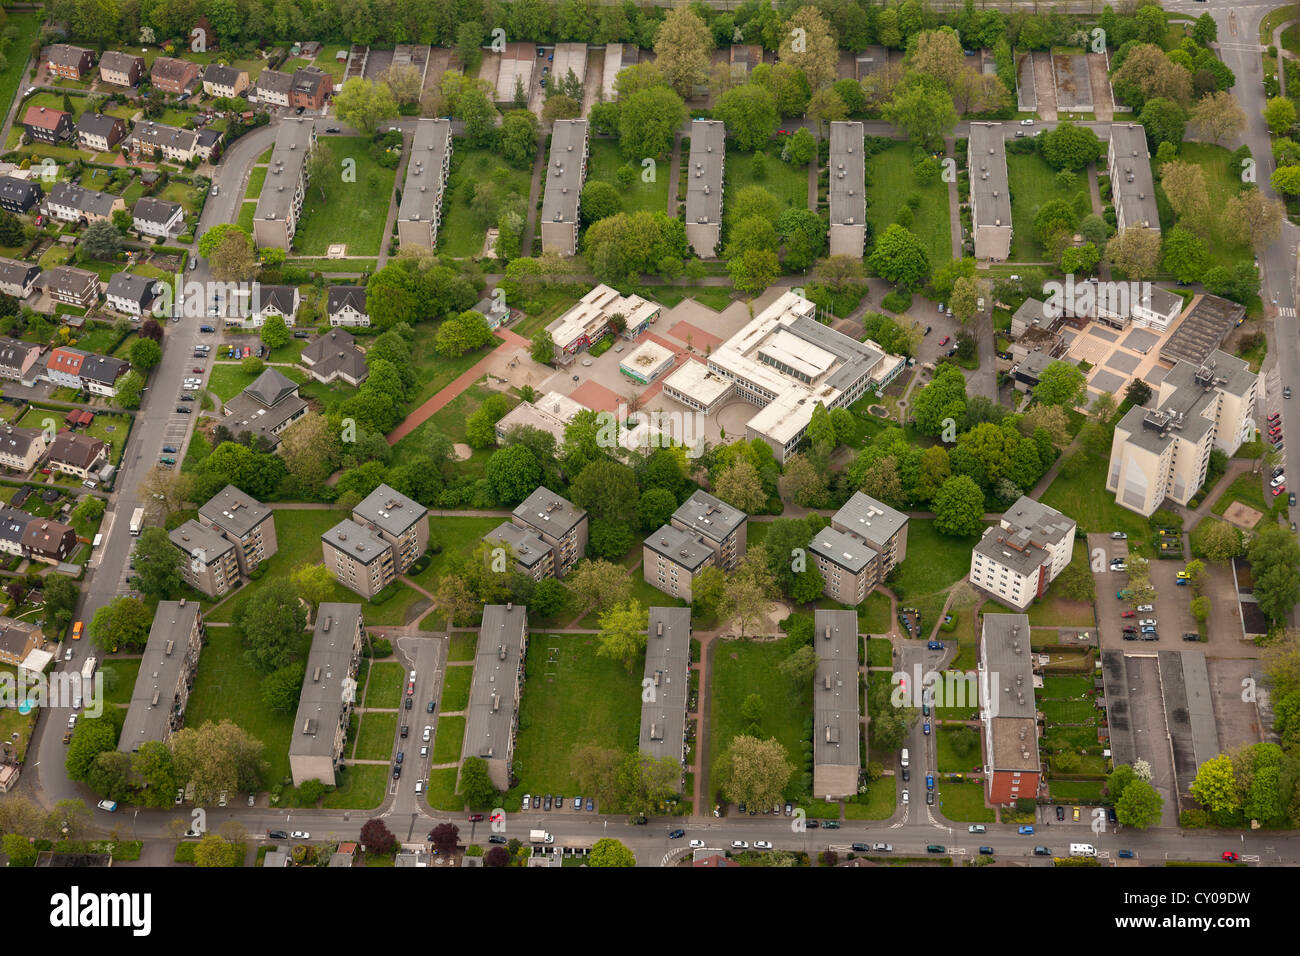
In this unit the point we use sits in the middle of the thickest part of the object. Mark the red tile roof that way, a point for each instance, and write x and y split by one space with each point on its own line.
43 117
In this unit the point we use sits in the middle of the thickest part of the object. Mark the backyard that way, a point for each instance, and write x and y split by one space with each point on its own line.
462 232
891 183
1032 183
351 210
604 164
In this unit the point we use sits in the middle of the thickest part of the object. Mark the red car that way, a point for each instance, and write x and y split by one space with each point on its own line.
1278 490
944 340
1129 614
1230 857
247 351
476 818
197 370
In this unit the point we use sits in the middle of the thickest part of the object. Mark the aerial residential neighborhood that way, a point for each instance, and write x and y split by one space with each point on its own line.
553 433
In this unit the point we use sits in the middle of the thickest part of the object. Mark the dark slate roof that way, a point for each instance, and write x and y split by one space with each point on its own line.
139 289
152 209
342 295
19 190
98 124
80 198
104 368
271 387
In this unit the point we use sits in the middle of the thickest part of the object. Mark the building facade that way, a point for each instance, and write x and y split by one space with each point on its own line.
1018 558
245 522
210 564
558 522
359 558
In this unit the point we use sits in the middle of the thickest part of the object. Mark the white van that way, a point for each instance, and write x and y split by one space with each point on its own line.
903 760
1082 849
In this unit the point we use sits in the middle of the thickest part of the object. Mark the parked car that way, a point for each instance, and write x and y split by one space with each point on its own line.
497 839
986 851
546 800
929 798
975 828
1025 830
1129 614
934 645
929 784
1148 621
1277 491
591 804
882 848
277 835
925 728
301 335
182 410
476 818
944 341
907 774
299 835
762 845
1146 607
739 845
1119 535
1060 813
405 730
935 848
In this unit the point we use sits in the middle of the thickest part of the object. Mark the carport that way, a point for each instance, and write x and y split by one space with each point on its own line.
1189 713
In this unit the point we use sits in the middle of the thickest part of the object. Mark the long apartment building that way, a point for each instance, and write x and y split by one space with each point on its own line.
721 527
162 687
1132 187
397 519
245 522
565 173
211 562
1165 452
359 558
785 362
280 204
420 212
865 540
990 196
666 684
1020 556
493 713
706 166
837 759
1007 710
328 694
558 522
848 194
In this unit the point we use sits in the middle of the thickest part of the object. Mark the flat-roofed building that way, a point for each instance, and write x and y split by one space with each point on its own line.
697 386
1007 710
723 528
667 678
551 413
1165 452
531 555
647 362
1132 187
848 196
588 321
166 675
211 562
837 760
420 212
279 205
328 694
565 173
558 522
359 558
990 195
493 713
401 522
672 558
1019 557
243 520
863 543
705 170
882 527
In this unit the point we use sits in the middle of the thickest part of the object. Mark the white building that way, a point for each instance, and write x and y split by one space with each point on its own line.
1019 557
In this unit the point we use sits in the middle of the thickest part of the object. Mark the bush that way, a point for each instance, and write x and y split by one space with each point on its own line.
897 301
378 647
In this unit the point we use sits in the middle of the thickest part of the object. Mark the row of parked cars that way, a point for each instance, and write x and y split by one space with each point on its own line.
548 802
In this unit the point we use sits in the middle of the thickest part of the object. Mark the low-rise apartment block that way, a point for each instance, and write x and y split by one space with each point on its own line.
69 62
71 286
18 196
1132 187
20 361
865 541
131 294
48 541
50 126
420 212
174 76
837 759
346 306
328 694
990 195
244 521
166 676
211 563
76 454
401 522
706 167
673 558
279 205
559 523
721 527
532 556
224 81
1018 558
265 408
1007 710
565 173
359 558
848 195
333 356
667 679
493 714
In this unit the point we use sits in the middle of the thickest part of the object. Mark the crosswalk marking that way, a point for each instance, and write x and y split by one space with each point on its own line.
1287 312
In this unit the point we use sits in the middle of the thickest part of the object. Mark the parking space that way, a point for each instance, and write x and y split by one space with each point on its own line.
1172 606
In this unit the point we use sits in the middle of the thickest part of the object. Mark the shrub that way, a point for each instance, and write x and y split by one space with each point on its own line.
897 301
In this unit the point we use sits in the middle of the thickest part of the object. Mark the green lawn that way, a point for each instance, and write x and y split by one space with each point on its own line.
127 670
245 218
54 101
448 739
873 614
1083 496
463 645
741 668
109 427
1247 489
357 788
572 698
880 652
25 26
461 233
350 212
963 802
1032 183
375 739
256 179
384 689
1222 186
441 790
228 379
183 193
455 688
433 372
949 761
450 420
787 183
891 182
456 535
933 564
606 158
880 803
227 688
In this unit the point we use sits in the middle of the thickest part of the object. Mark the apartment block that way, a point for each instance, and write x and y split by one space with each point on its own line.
420 212
401 522
721 527
866 539
672 559
848 194
837 759
211 563
1132 187
121 69
705 173
990 195
166 676
1165 452
1007 710
532 556
359 558
320 728
558 522
279 205
1018 558
245 522
492 723
565 173
668 683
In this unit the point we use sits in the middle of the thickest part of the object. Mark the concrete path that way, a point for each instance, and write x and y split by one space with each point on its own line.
534 193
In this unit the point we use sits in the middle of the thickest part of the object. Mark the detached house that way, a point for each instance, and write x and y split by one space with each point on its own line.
21 448
18 278
335 355
45 125
71 286
155 217
13 524
224 81
99 132
267 300
73 203
69 62
63 366
121 69
75 453
48 541
170 75
132 294
20 361
99 374
18 196
347 306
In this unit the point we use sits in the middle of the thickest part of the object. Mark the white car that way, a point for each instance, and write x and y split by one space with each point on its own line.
180 797
1148 622
739 845
67 655
762 845
975 828
299 835
907 796
1277 481
527 800
697 844
1119 535
1146 607
1026 122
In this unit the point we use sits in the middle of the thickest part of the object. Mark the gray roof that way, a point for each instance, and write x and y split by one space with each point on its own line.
75 448
141 289
667 672
424 183
545 510
158 135
357 541
342 295
525 545
293 142
281 297
491 712
329 663
64 54
13 352
153 209
114 61
247 414
1132 182
222 75
708 516
704 172
1032 521
1189 705
82 199
679 547
564 172
390 510
873 521
1008 662
200 542
1030 310
328 342
835 707
20 190
1182 412
98 124
19 273
234 511
1202 330
271 387
69 280
987 158
847 172
104 369
274 80
856 358
160 671
852 554
13 524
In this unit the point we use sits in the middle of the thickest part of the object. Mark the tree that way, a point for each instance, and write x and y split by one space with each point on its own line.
1200 607
445 837
799 148
499 856
1140 806
924 111
519 138
808 44
599 201
271 619
215 851
800 667
233 260
1060 383
1135 251
476 784
1286 180
1215 786
610 852
157 563
740 486
1220 541
1184 184
757 771
748 591
216 757
900 257
941 404
749 113
314 584
377 838
1279 114
542 349
403 81
1205 31
596 771
1165 121
1070 147
274 334
364 104
656 508
94 736
1275 561
964 298
282 688
1147 72
959 507
123 622
754 270
649 120
623 633
600 584
20 850
1185 254
683 45
513 473
101 240
1255 218
1217 116
938 54
462 333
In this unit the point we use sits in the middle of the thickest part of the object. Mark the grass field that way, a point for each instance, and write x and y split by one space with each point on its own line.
25 25
227 688
603 165
873 614
461 233
441 789
1032 183
1084 498
357 788
375 739
741 668
789 184
457 534
384 688
933 564
127 670
571 698
963 802
1222 185
455 688
450 420
448 739
881 802
350 212
891 183
228 379
463 646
